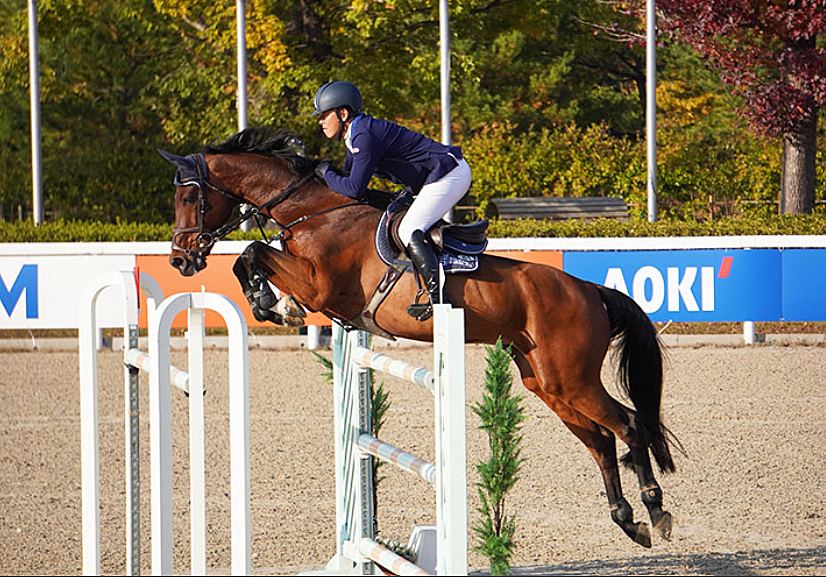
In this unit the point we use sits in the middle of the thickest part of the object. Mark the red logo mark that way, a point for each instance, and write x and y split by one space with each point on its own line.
725 267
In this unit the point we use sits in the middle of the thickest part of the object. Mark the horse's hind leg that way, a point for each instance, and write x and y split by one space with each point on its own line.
650 492
601 443
622 421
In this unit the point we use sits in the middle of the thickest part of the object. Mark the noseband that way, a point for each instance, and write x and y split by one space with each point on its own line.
206 239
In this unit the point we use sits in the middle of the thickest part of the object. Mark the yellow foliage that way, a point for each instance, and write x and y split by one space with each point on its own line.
678 106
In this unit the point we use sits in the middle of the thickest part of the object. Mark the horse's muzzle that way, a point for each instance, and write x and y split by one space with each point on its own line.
188 265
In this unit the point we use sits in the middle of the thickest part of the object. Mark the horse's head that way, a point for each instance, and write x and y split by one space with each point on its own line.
201 208
257 166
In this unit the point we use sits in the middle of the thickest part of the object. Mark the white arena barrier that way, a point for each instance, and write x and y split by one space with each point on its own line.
356 550
162 375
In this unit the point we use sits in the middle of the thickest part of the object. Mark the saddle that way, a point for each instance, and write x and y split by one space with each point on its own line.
457 246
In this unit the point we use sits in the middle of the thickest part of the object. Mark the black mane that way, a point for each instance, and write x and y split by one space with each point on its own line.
265 141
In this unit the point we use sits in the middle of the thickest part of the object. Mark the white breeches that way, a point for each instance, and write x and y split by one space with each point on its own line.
434 200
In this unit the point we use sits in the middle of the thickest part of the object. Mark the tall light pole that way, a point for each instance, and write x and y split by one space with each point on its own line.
241 42
444 47
444 44
241 32
34 98
651 105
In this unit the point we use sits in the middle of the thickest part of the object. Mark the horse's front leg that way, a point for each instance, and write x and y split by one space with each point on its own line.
291 274
263 302
260 297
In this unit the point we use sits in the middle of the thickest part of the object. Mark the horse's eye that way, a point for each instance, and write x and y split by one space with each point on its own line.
190 199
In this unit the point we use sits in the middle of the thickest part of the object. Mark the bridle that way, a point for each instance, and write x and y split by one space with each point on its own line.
206 238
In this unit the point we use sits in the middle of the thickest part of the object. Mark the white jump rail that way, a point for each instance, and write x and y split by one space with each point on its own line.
356 549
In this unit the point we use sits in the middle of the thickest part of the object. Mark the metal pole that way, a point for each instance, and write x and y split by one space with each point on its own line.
651 105
241 40
444 47
34 95
444 42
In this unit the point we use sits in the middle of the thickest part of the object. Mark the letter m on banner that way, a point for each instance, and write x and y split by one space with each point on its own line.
26 281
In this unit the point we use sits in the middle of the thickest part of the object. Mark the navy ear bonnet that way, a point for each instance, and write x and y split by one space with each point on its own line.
192 169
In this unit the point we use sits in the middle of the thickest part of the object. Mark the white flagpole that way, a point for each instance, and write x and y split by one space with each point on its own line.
34 96
651 105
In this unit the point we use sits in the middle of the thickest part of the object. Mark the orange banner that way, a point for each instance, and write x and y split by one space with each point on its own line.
551 258
219 278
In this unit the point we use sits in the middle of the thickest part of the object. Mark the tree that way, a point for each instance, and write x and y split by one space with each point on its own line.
768 53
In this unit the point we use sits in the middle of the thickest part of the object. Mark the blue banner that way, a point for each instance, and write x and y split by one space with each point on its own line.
690 285
804 284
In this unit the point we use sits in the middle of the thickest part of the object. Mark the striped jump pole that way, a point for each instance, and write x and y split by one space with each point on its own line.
356 550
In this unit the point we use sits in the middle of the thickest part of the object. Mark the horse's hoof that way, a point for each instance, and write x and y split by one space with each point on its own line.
266 316
663 526
639 533
290 311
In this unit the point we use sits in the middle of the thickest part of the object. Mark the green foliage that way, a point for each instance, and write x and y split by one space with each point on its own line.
544 100
752 223
327 364
568 161
501 415
83 231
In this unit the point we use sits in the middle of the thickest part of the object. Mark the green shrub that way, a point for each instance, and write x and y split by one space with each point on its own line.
501 415
756 223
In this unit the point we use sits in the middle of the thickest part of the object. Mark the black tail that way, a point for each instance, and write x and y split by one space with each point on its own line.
640 370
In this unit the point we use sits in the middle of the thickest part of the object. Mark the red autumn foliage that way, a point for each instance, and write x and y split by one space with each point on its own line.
766 50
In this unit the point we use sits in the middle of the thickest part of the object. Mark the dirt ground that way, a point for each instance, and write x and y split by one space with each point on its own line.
749 498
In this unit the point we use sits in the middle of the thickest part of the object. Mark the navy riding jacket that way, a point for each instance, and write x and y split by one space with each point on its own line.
393 152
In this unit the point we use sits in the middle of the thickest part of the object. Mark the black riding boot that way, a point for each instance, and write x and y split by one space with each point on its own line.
427 265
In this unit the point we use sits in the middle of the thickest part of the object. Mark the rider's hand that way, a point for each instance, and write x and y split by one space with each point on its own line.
321 168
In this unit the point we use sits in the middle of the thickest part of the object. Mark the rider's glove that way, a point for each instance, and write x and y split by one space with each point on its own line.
321 168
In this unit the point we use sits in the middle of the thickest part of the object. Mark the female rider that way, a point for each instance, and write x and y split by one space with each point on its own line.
436 174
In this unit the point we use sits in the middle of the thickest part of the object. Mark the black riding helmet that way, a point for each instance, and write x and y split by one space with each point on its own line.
335 95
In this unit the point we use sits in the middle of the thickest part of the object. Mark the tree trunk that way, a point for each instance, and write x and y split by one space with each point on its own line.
797 187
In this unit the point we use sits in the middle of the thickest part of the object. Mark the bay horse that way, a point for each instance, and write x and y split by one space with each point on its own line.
559 327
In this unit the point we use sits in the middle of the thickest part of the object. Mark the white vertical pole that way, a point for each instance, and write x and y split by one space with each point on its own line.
451 451
197 473
651 105
444 45
87 349
748 332
313 337
241 45
34 96
131 392
241 40
160 431
90 500
239 425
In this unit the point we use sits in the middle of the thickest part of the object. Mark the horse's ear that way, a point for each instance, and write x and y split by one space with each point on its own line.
174 159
